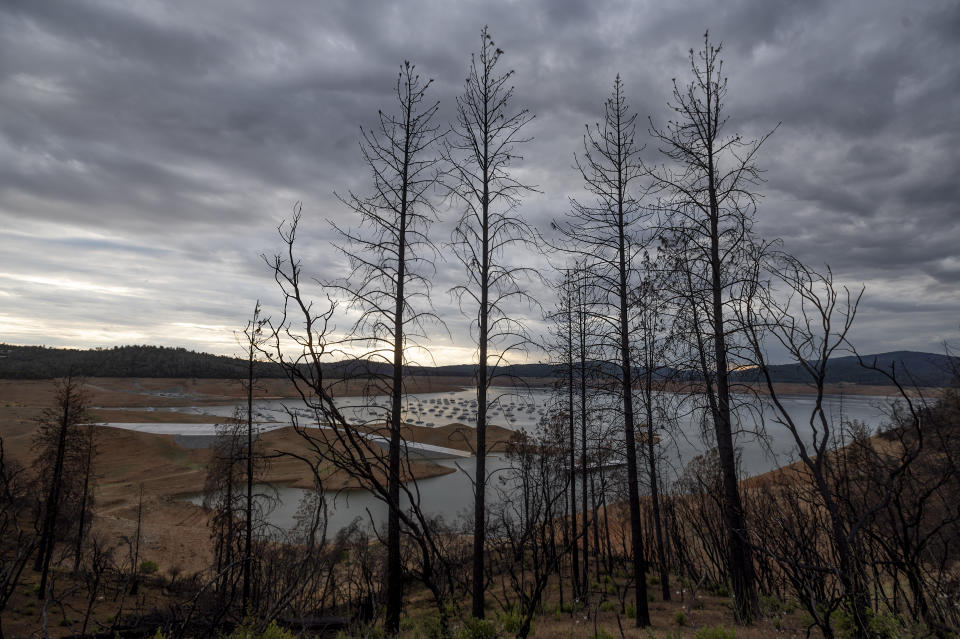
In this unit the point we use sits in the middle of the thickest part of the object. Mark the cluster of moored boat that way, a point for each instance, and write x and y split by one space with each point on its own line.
438 411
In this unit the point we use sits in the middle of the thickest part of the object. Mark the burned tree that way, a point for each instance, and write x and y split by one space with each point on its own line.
524 519
707 196
88 450
304 342
652 348
885 502
608 232
18 535
390 256
560 345
481 150
58 444
253 341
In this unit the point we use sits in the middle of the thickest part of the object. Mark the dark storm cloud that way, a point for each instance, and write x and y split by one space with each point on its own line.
148 151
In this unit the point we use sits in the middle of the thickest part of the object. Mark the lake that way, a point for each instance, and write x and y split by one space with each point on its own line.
451 495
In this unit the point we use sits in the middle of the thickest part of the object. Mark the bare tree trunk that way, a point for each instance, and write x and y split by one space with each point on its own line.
582 346
636 533
747 606
88 463
248 537
135 556
604 235
711 206
394 564
575 559
655 491
384 280
480 151
71 406
480 481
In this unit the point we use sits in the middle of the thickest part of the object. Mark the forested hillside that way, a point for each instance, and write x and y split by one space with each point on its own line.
911 368
40 362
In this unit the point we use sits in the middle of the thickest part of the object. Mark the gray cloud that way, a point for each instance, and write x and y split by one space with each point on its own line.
148 152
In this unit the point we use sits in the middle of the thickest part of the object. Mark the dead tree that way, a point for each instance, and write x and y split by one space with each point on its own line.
56 441
523 521
561 348
391 262
304 342
586 330
811 324
480 152
253 341
885 504
89 450
608 233
238 513
708 199
18 535
652 348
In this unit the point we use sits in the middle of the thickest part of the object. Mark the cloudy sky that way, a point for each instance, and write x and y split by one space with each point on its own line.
148 150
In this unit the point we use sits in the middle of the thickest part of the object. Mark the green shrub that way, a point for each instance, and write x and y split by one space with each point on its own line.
882 626
603 634
273 631
607 606
430 627
773 606
718 590
511 621
159 634
680 618
715 632
148 567
631 611
473 628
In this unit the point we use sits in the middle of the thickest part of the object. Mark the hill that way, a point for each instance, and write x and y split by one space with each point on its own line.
40 362
911 368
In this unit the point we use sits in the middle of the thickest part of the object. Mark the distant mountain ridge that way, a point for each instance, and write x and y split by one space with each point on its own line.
40 362
910 367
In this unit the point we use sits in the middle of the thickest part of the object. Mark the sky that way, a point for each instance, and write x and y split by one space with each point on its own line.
149 150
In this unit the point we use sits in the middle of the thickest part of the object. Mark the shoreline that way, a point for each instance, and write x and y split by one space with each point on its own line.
167 470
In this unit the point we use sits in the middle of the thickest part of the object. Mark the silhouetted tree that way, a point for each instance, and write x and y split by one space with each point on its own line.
561 347
524 518
652 348
18 534
391 261
253 341
883 500
480 151
709 204
88 450
303 342
57 442
608 234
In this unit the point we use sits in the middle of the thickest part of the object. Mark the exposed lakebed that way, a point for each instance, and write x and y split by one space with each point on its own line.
450 495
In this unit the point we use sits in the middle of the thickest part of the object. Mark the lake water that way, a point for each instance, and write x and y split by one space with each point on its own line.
451 495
